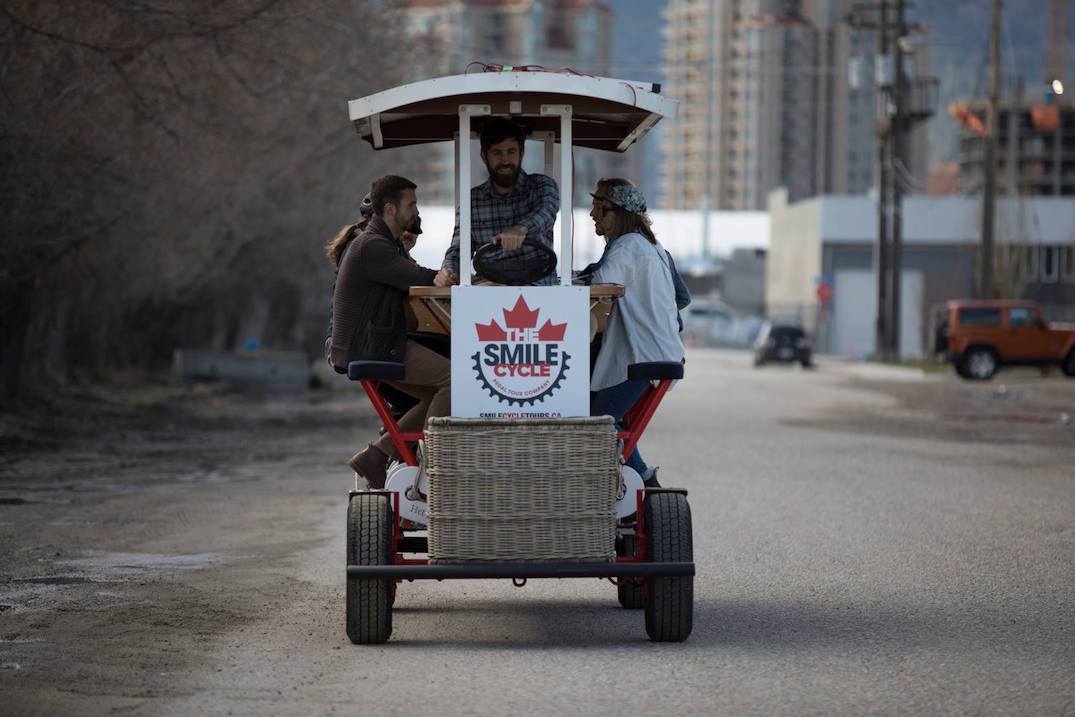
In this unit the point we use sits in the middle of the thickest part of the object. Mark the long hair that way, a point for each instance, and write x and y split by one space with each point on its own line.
626 222
336 246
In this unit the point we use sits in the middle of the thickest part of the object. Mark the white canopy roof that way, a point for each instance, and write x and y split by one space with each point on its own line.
607 113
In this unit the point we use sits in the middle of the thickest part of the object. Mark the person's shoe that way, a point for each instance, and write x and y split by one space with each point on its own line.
650 481
371 464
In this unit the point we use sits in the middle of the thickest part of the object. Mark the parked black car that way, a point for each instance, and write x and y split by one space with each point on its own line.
784 344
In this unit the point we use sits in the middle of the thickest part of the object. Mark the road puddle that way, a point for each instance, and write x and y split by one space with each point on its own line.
55 580
106 567
1042 419
37 592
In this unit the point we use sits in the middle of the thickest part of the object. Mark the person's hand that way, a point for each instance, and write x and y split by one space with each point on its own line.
511 239
445 278
408 240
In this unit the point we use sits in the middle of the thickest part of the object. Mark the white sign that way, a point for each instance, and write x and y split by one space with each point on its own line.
520 351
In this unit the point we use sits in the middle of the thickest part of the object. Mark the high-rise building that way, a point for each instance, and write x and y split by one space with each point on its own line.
774 93
553 34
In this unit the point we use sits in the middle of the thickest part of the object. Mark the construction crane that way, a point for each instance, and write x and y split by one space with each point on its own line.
1045 116
967 119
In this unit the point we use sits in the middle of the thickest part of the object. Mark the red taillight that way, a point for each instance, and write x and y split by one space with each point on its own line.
802 344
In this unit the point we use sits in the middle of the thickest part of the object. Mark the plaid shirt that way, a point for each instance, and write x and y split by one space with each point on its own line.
532 202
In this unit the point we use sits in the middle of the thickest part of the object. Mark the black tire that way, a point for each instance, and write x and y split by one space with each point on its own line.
630 591
979 363
959 370
669 606
1068 367
369 542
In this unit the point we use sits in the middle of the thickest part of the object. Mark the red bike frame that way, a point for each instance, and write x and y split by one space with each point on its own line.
634 422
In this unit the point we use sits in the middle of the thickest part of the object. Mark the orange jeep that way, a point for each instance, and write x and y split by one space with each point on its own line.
979 337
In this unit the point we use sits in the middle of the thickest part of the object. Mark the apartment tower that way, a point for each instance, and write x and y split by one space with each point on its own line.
774 93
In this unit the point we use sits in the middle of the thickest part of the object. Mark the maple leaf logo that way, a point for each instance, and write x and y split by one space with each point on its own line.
491 332
520 316
551 332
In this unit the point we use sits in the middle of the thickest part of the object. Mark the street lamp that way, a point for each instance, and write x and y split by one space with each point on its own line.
1058 87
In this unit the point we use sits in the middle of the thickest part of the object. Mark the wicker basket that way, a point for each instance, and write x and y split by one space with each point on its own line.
538 489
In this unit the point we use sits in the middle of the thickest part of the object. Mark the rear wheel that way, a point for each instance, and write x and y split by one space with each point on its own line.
369 542
629 591
979 363
669 605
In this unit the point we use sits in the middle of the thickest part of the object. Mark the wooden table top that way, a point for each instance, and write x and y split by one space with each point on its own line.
431 306
597 291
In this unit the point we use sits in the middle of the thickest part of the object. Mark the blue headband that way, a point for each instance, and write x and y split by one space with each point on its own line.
625 197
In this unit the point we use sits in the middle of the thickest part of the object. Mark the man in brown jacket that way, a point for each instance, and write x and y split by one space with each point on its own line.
369 323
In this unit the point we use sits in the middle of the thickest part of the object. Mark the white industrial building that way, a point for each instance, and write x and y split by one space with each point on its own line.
830 239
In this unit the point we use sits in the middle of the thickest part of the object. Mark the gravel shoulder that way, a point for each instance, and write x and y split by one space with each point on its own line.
137 529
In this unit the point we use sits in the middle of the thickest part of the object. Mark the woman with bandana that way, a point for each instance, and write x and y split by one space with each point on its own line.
643 324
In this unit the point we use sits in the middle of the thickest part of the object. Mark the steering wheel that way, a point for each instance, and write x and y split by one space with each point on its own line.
513 268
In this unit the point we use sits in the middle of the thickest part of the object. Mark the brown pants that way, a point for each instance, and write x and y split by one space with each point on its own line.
428 377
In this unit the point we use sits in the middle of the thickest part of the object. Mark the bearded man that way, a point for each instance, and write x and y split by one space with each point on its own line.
508 208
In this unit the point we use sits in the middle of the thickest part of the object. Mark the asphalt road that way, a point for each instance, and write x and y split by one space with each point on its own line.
866 543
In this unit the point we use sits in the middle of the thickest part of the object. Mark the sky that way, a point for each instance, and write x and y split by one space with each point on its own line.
636 42
636 55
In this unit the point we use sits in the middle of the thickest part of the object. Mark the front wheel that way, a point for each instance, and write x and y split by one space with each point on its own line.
979 364
1068 367
369 542
669 606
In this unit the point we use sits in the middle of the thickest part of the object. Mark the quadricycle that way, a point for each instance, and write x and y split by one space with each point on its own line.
520 482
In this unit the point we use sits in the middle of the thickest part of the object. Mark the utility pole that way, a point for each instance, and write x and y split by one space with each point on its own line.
1058 28
1012 160
990 159
898 132
902 101
1014 117
1058 144
884 179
